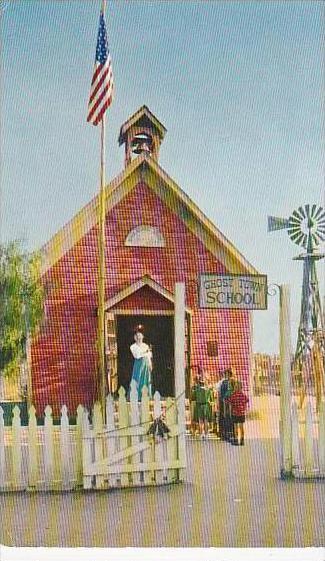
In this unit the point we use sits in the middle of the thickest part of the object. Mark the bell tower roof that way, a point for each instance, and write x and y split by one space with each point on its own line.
142 118
142 132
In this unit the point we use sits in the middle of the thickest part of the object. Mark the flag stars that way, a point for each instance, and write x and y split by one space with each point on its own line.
102 83
102 44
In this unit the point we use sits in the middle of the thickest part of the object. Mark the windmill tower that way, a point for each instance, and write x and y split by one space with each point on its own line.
306 227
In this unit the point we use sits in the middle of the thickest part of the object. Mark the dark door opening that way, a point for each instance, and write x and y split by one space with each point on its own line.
159 333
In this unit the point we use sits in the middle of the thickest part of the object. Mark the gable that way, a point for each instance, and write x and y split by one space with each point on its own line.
145 169
182 249
145 298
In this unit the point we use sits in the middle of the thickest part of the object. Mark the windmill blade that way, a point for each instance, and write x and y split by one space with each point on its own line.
294 231
302 212
293 227
297 237
294 222
317 238
319 211
294 234
276 223
320 234
313 211
300 240
295 216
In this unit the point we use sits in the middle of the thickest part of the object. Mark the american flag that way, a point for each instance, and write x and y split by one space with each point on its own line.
101 92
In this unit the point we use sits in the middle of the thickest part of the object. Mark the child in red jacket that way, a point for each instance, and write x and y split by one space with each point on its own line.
238 402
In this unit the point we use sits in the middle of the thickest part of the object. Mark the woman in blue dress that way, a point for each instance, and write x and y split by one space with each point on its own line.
142 366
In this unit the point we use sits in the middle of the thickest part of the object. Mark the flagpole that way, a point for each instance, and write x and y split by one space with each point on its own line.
101 263
101 272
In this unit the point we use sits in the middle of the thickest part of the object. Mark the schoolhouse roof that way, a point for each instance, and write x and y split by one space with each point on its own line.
145 168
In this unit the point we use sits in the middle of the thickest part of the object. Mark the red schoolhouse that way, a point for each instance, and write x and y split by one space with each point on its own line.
155 236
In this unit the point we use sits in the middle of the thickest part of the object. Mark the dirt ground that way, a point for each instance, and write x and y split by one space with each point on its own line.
232 497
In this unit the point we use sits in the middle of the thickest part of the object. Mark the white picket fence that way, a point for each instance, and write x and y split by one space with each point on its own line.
307 440
67 457
44 457
124 455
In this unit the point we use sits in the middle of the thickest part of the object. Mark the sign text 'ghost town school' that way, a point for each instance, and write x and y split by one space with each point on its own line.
248 292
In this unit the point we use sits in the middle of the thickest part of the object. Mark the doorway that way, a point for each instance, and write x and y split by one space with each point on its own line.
159 333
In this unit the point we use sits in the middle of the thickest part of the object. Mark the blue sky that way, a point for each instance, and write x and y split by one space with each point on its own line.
238 85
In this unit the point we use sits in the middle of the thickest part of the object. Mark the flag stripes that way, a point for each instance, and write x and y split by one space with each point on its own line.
102 85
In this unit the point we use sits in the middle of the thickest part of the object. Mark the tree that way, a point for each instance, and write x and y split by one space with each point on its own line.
21 304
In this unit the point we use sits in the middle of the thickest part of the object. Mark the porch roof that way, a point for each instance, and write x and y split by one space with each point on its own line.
137 285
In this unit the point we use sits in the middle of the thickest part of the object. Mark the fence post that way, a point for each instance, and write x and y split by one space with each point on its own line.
2 450
65 448
78 474
309 440
295 439
32 448
16 449
158 444
110 440
156 405
285 382
98 435
321 437
110 413
179 353
48 447
171 442
123 422
135 422
86 450
148 476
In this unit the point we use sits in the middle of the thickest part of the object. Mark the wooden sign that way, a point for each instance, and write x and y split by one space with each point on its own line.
247 292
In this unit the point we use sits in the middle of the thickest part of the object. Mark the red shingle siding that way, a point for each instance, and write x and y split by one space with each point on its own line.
64 354
230 329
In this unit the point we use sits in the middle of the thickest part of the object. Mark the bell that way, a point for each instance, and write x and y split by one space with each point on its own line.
140 147
141 143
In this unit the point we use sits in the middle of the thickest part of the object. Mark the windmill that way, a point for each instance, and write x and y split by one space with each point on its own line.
306 228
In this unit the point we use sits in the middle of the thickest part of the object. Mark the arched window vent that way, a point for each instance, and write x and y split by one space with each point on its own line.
145 236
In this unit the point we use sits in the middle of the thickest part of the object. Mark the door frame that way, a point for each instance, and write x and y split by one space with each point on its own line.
145 312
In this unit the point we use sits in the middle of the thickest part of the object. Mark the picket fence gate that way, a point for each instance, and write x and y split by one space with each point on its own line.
84 455
126 456
307 440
